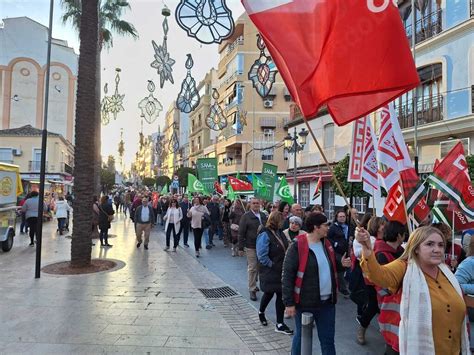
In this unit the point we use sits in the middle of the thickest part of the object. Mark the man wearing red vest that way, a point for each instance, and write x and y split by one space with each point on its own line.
309 282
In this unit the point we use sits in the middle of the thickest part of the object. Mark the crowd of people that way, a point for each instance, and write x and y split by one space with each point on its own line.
414 285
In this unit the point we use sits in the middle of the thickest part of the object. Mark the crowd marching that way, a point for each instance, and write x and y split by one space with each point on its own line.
416 283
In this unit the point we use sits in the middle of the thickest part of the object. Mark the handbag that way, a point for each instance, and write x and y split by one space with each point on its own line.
234 227
110 217
205 221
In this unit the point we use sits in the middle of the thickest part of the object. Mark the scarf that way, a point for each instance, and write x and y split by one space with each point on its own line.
415 330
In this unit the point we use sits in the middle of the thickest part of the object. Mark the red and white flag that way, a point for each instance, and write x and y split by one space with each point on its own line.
351 55
370 165
240 185
356 156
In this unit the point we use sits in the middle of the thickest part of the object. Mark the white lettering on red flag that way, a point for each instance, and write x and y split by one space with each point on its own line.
356 157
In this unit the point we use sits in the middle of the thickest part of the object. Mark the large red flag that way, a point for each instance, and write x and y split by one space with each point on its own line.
240 185
352 55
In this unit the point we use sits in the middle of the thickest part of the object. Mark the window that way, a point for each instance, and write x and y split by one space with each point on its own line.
303 196
268 133
267 154
359 204
6 155
427 16
199 143
199 120
329 135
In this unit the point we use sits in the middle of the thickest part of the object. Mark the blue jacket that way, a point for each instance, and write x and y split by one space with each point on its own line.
465 275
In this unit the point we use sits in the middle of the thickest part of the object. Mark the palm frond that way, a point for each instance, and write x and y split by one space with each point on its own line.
124 28
73 10
107 39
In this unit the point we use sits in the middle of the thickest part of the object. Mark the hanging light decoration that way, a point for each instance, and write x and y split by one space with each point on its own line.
163 63
209 21
150 107
188 97
173 144
121 147
116 100
263 71
216 119
104 107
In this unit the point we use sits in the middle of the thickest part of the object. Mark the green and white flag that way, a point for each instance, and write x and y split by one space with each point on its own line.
194 185
258 185
284 191
230 193
164 190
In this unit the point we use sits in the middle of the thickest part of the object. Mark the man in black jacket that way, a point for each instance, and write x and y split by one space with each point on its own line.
315 289
185 206
339 236
249 226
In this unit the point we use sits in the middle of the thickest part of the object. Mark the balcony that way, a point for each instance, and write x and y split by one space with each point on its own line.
68 169
35 166
429 110
426 27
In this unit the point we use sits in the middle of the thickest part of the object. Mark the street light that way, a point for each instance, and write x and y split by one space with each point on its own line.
295 144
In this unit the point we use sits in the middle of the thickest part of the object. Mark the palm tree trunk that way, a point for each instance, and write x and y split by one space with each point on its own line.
85 153
98 126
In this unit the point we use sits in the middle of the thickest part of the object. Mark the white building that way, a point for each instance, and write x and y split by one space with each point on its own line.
23 52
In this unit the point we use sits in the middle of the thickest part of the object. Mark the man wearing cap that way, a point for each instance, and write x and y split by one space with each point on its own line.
309 282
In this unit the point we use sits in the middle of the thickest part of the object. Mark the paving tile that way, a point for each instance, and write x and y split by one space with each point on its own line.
127 329
142 340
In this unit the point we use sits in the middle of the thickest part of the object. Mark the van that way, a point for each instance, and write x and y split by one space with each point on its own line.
10 189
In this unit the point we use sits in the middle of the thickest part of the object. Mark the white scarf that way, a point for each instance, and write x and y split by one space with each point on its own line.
415 330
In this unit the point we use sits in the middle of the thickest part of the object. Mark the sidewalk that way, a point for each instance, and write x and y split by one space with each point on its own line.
151 305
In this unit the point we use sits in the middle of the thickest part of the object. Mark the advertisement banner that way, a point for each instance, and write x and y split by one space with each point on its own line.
207 172
269 178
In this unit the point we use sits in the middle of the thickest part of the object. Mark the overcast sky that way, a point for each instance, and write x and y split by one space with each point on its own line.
134 58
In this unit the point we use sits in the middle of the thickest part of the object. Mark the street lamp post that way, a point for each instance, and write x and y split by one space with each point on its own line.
294 144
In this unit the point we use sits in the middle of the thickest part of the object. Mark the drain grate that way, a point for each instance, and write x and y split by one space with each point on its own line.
219 292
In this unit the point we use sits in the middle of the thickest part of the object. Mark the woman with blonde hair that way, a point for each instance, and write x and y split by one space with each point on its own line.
431 305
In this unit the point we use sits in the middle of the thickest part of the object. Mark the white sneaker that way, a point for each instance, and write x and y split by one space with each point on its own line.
166 248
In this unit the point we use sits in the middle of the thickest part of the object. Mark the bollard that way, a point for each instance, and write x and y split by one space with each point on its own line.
307 333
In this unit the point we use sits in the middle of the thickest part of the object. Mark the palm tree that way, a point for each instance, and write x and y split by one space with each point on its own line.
108 20
86 105
110 12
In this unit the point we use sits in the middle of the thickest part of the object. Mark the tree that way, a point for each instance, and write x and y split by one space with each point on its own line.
107 179
341 171
149 182
183 175
109 17
470 166
110 164
86 104
163 180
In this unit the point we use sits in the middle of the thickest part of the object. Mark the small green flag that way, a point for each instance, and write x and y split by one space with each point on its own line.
164 190
258 185
194 185
230 193
284 191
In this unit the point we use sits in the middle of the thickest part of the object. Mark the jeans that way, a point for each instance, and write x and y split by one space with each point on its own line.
197 238
104 236
206 235
185 230
213 229
61 224
24 224
171 228
325 318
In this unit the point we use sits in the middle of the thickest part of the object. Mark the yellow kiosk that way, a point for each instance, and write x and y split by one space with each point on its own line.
10 188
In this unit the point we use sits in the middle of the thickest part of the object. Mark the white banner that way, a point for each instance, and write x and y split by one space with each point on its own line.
356 158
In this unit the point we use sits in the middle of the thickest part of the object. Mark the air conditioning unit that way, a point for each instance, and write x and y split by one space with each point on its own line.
268 103
17 152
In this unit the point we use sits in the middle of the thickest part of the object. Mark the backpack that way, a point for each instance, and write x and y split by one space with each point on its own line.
205 221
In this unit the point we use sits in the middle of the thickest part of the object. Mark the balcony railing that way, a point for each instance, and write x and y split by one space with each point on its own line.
429 110
426 27
35 165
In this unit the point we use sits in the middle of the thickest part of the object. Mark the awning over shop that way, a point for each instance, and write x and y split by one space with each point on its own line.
310 174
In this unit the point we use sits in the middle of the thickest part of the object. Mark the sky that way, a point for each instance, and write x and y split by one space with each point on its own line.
133 57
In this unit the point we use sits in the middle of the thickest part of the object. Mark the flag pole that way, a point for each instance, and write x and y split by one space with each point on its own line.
338 184
452 241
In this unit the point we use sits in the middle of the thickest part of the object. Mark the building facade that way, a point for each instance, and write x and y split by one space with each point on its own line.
22 146
171 141
23 49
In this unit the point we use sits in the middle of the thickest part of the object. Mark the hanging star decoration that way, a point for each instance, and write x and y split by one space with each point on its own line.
116 100
163 63
263 71
150 107
104 107
188 97
216 119
209 21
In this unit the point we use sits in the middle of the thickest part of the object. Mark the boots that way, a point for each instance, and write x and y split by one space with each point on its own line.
361 335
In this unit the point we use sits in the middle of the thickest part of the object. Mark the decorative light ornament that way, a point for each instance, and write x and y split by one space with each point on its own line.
121 147
263 71
216 119
173 144
150 106
209 21
163 62
188 97
104 107
116 100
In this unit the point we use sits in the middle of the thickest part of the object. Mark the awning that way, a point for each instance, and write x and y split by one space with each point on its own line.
308 175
